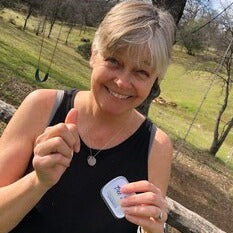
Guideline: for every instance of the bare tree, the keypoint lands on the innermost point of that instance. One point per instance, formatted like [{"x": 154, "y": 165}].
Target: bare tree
[
  {"x": 70, "y": 15},
  {"x": 9, "y": 3},
  {"x": 54, "y": 6},
  {"x": 194, "y": 9},
  {"x": 225, "y": 39},
  {"x": 32, "y": 8}
]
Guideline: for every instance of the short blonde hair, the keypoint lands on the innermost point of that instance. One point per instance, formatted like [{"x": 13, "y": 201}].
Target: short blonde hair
[{"x": 142, "y": 29}]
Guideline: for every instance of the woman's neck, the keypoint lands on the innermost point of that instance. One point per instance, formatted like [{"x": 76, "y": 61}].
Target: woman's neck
[
  {"x": 103, "y": 118},
  {"x": 97, "y": 127}
]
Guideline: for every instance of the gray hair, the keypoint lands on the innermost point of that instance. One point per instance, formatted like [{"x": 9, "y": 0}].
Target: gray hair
[{"x": 142, "y": 29}]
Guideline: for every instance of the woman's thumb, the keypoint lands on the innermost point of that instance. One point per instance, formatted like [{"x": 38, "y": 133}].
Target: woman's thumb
[{"x": 72, "y": 117}]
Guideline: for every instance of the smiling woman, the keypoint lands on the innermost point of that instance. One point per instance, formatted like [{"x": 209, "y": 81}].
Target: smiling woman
[
  {"x": 61, "y": 147},
  {"x": 125, "y": 83}
]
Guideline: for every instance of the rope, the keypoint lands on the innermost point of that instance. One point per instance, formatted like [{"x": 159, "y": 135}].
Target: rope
[
  {"x": 55, "y": 47},
  {"x": 37, "y": 74},
  {"x": 42, "y": 43},
  {"x": 204, "y": 97}
]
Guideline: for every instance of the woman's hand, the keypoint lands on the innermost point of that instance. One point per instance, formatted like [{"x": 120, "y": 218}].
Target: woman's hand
[
  {"x": 54, "y": 148},
  {"x": 148, "y": 208}
]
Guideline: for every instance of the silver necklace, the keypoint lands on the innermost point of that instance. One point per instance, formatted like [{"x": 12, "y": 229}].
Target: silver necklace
[{"x": 91, "y": 159}]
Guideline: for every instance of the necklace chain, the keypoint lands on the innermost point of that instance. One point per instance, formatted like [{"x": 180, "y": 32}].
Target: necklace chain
[{"x": 91, "y": 159}]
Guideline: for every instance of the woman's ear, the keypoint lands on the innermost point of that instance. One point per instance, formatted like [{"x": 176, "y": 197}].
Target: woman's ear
[{"x": 92, "y": 58}]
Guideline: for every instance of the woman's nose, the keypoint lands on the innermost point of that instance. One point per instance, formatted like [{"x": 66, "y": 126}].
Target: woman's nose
[{"x": 123, "y": 79}]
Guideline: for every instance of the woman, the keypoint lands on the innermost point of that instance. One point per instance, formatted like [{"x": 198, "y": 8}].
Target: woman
[{"x": 51, "y": 177}]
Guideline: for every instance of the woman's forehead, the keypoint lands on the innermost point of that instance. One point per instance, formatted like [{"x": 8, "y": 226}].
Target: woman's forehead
[{"x": 134, "y": 57}]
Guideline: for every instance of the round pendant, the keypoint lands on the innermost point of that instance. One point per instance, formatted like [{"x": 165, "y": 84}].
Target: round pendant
[{"x": 91, "y": 160}]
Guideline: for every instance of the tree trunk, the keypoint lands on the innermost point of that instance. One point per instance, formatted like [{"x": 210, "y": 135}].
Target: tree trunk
[
  {"x": 68, "y": 34},
  {"x": 28, "y": 15},
  {"x": 54, "y": 17},
  {"x": 176, "y": 8},
  {"x": 80, "y": 29},
  {"x": 144, "y": 107},
  {"x": 218, "y": 143},
  {"x": 51, "y": 26},
  {"x": 38, "y": 28},
  {"x": 43, "y": 29},
  {"x": 218, "y": 140}
]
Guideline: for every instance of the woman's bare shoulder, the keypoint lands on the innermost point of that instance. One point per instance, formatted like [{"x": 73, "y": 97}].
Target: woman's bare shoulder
[
  {"x": 18, "y": 138},
  {"x": 163, "y": 142},
  {"x": 35, "y": 109}
]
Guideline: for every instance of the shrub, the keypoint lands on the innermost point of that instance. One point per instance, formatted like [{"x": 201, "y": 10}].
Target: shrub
[
  {"x": 84, "y": 50},
  {"x": 193, "y": 42},
  {"x": 86, "y": 40}
]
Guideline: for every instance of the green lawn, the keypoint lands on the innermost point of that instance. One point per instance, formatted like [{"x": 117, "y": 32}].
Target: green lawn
[
  {"x": 20, "y": 53},
  {"x": 185, "y": 84}
]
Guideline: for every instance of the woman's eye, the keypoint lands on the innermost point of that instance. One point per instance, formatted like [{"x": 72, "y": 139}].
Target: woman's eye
[
  {"x": 143, "y": 73},
  {"x": 112, "y": 60}
]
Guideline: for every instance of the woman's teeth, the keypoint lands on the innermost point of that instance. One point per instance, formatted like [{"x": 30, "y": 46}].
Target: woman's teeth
[{"x": 119, "y": 96}]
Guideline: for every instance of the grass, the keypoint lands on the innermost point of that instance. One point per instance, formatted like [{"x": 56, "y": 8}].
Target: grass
[
  {"x": 186, "y": 81},
  {"x": 186, "y": 86},
  {"x": 20, "y": 53}
]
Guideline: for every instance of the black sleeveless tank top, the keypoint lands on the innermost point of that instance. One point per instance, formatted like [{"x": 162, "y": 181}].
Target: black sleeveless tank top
[{"x": 74, "y": 204}]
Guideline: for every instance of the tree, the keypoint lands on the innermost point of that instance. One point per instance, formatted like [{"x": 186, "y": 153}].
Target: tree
[
  {"x": 32, "y": 7},
  {"x": 9, "y": 4},
  {"x": 193, "y": 42},
  {"x": 219, "y": 138},
  {"x": 193, "y": 18},
  {"x": 176, "y": 8},
  {"x": 55, "y": 6},
  {"x": 225, "y": 40},
  {"x": 69, "y": 14}
]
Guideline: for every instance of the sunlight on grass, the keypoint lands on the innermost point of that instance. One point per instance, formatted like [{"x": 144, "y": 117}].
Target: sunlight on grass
[
  {"x": 186, "y": 88},
  {"x": 185, "y": 84}
]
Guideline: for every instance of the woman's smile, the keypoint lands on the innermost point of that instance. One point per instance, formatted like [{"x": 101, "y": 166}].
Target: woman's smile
[{"x": 118, "y": 95}]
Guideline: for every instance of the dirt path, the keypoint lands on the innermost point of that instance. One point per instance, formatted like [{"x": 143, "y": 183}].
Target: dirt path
[{"x": 205, "y": 186}]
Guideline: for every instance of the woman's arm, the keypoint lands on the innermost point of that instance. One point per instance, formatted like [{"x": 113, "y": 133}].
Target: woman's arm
[
  {"x": 17, "y": 140},
  {"x": 17, "y": 199},
  {"x": 18, "y": 195},
  {"x": 53, "y": 152},
  {"x": 148, "y": 208}
]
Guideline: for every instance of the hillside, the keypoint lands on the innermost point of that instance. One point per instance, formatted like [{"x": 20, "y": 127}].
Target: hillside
[{"x": 199, "y": 182}]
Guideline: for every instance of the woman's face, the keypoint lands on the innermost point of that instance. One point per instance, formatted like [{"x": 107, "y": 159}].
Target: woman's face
[{"x": 118, "y": 83}]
